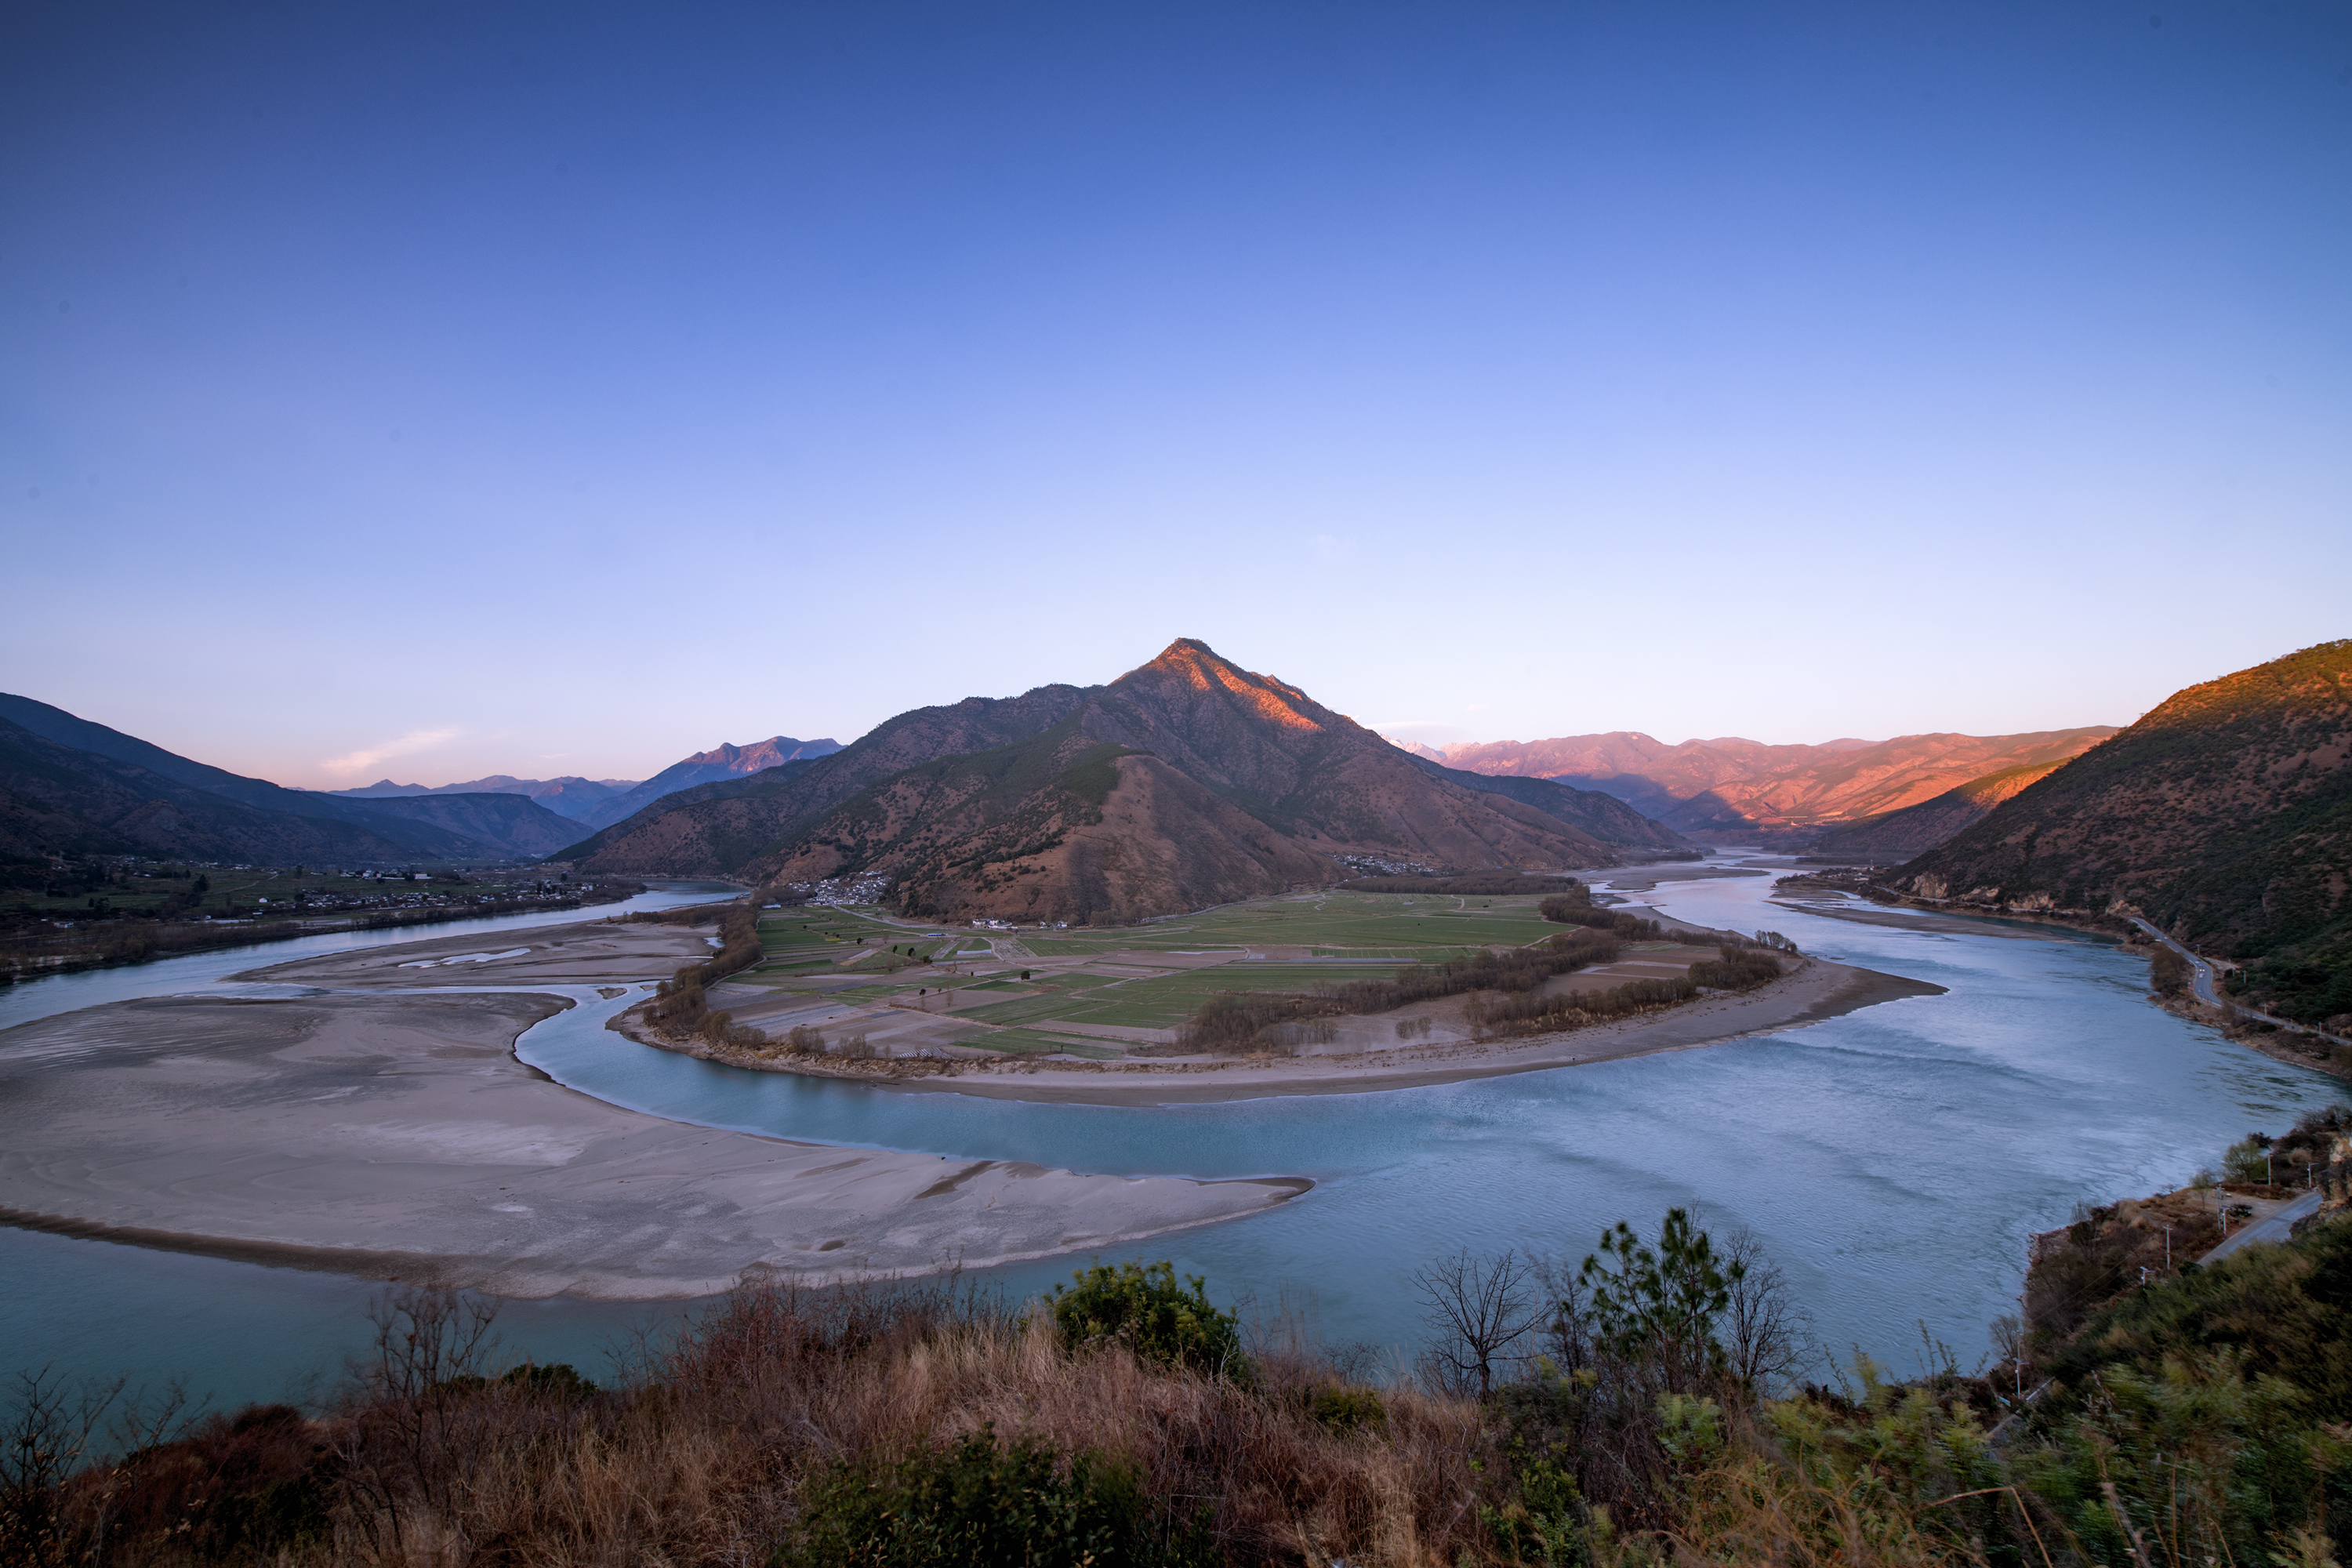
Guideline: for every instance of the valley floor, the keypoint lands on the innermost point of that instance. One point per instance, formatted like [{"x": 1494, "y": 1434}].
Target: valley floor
[{"x": 378, "y": 1121}]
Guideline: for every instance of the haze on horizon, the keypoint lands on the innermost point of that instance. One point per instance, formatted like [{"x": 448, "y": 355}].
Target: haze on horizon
[{"x": 451, "y": 393}]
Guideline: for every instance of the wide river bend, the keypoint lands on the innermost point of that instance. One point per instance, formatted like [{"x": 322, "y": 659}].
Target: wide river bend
[{"x": 1893, "y": 1161}]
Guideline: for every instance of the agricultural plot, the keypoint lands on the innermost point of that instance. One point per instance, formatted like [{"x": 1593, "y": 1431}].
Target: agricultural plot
[{"x": 1102, "y": 984}]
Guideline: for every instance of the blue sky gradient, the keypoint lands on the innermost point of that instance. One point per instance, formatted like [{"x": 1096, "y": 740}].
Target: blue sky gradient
[{"x": 440, "y": 391}]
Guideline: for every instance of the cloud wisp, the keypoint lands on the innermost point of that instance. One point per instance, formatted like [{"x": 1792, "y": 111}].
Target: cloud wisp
[{"x": 413, "y": 742}]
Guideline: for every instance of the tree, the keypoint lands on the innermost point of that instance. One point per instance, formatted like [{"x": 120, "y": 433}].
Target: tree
[
  {"x": 1659, "y": 1308},
  {"x": 1479, "y": 1308},
  {"x": 1765, "y": 1332}
]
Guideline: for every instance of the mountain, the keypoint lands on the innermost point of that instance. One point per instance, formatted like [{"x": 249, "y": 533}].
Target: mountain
[
  {"x": 74, "y": 797},
  {"x": 1185, "y": 781},
  {"x": 1736, "y": 788},
  {"x": 413, "y": 840},
  {"x": 1894, "y": 836},
  {"x": 719, "y": 763},
  {"x": 513, "y": 826},
  {"x": 2224, "y": 816},
  {"x": 57, "y": 799},
  {"x": 569, "y": 797},
  {"x": 1604, "y": 817}
]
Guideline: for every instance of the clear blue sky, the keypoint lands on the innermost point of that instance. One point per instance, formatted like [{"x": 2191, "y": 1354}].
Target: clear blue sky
[{"x": 434, "y": 391}]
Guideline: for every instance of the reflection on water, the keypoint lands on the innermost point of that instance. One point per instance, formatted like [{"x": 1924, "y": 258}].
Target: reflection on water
[{"x": 1893, "y": 1161}]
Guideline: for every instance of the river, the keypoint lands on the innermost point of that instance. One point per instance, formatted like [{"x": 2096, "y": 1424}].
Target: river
[{"x": 1893, "y": 1161}]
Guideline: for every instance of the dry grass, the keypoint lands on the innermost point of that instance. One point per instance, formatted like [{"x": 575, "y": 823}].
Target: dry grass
[{"x": 700, "y": 1461}]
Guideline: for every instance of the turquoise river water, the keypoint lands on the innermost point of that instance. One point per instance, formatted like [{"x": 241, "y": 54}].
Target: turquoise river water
[{"x": 1893, "y": 1161}]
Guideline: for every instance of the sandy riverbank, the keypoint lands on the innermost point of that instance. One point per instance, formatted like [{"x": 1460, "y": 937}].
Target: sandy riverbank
[
  {"x": 590, "y": 953},
  {"x": 389, "y": 1136},
  {"x": 1818, "y": 990}
]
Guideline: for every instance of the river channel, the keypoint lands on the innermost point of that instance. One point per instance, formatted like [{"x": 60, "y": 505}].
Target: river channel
[{"x": 1893, "y": 1161}]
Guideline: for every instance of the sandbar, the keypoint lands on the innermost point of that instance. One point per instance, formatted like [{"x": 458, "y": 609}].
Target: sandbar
[{"x": 399, "y": 1136}]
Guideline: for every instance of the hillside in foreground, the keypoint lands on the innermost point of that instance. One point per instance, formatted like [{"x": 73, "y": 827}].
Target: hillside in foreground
[{"x": 2224, "y": 816}]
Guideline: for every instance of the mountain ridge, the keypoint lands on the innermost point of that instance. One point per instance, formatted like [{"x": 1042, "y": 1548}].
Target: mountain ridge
[
  {"x": 1218, "y": 781},
  {"x": 1729, "y": 787},
  {"x": 2225, "y": 814}
]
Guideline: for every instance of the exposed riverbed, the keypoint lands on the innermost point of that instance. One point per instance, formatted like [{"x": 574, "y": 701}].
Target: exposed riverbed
[{"x": 1893, "y": 1160}]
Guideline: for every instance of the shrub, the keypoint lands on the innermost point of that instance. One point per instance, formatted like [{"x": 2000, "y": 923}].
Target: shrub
[
  {"x": 977, "y": 1504},
  {"x": 1736, "y": 969},
  {"x": 1144, "y": 1307},
  {"x": 1576, "y": 911}
]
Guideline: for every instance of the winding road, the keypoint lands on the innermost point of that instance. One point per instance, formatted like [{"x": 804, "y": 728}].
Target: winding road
[{"x": 2202, "y": 981}]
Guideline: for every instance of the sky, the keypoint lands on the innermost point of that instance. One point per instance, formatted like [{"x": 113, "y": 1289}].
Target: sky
[{"x": 436, "y": 391}]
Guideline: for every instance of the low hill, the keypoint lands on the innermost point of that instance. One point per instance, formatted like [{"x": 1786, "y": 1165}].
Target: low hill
[
  {"x": 1737, "y": 788},
  {"x": 1896, "y": 836},
  {"x": 1186, "y": 781},
  {"x": 2224, "y": 816}
]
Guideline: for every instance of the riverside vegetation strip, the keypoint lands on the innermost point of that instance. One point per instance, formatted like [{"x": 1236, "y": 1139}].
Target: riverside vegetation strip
[{"x": 1304, "y": 994}]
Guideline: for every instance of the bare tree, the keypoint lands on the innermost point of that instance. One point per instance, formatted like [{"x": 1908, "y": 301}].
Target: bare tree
[
  {"x": 405, "y": 1445},
  {"x": 1570, "y": 1334},
  {"x": 1766, "y": 1334},
  {"x": 1479, "y": 1308},
  {"x": 52, "y": 1433}
]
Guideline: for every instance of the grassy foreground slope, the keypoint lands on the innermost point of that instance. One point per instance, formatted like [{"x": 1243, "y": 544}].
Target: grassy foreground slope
[
  {"x": 2225, "y": 814},
  {"x": 1640, "y": 1408}
]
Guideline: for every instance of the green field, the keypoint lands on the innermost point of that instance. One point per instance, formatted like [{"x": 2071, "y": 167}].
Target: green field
[
  {"x": 1391, "y": 926},
  {"x": 1080, "y": 977}
]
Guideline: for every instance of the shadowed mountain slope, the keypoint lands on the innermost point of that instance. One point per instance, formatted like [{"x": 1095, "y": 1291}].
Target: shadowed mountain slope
[
  {"x": 2224, "y": 816},
  {"x": 1187, "y": 781},
  {"x": 1896, "y": 836},
  {"x": 512, "y": 825},
  {"x": 59, "y": 799},
  {"x": 715, "y": 829},
  {"x": 1732, "y": 786}
]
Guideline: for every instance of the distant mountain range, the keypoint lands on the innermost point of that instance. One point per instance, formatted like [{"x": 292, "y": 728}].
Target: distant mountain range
[
  {"x": 599, "y": 803},
  {"x": 1184, "y": 783},
  {"x": 2224, "y": 816},
  {"x": 71, "y": 786},
  {"x": 68, "y": 785},
  {"x": 1743, "y": 790},
  {"x": 567, "y": 796}
]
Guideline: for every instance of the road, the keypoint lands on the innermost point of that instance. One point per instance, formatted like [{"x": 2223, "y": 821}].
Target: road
[
  {"x": 2203, "y": 982},
  {"x": 2273, "y": 1226}
]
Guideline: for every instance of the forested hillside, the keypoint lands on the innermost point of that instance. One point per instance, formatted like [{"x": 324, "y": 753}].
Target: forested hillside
[{"x": 2224, "y": 816}]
